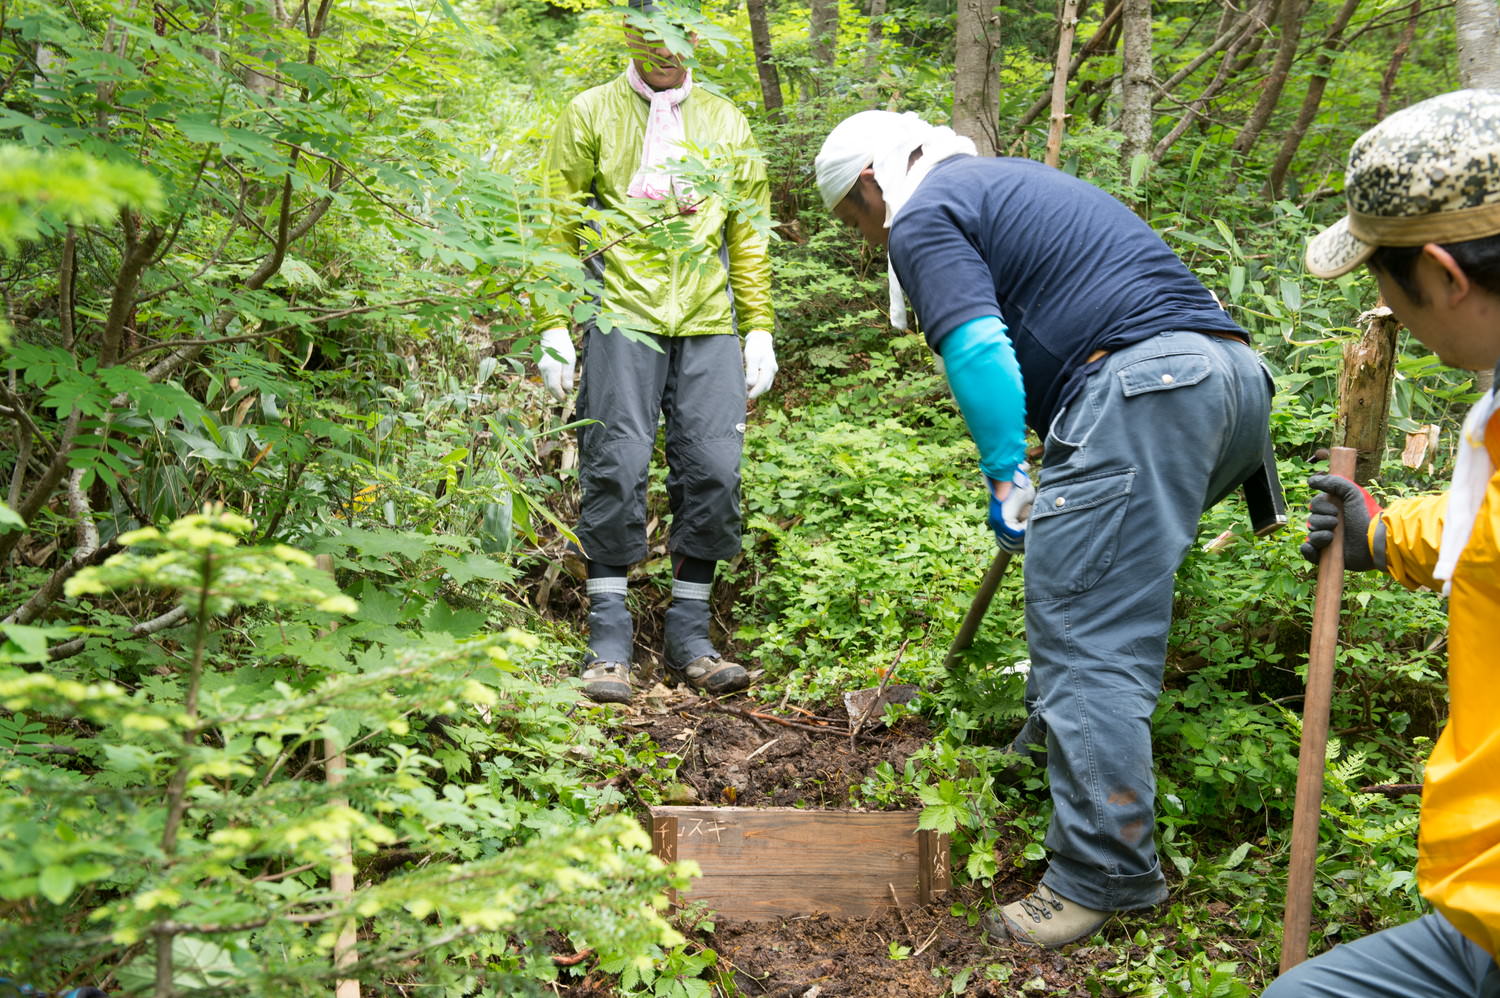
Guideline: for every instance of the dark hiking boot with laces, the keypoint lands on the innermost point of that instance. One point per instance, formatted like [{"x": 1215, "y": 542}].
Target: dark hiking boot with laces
[{"x": 1043, "y": 918}]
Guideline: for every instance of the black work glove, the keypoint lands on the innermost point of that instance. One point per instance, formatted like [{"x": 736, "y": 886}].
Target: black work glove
[{"x": 1336, "y": 494}]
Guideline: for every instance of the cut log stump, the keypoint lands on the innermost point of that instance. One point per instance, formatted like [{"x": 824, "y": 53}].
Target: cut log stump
[{"x": 781, "y": 862}]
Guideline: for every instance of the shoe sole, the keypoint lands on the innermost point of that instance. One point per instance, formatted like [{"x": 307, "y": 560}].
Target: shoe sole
[{"x": 607, "y": 692}]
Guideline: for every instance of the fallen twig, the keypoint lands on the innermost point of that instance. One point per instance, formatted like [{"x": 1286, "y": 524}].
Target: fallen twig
[
  {"x": 755, "y": 717},
  {"x": 884, "y": 680},
  {"x": 758, "y": 751},
  {"x": 793, "y": 990},
  {"x": 901, "y": 914},
  {"x": 1392, "y": 789},
  {"x": 573, "y": 960}
]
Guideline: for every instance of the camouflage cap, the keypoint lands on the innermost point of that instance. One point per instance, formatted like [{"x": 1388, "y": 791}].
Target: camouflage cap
[{"x": 1426, "y": 174}]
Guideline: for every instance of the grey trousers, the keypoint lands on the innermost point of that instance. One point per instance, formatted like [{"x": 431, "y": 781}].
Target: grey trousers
[
  {"x": 1425, "y": 958},
  {"x": 697, "y": 384},
  {"x": 1164, "y": 430}
]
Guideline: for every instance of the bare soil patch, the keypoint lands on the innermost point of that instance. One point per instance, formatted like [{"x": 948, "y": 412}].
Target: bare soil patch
[
  {"x": 739, "y": 751},
  {"x": 745, "y": 752}
]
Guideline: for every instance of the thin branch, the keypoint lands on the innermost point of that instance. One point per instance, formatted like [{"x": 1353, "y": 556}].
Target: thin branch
[
  {"x": 362, "y": 185},
  {"x": 138, "y": 253},
  {"x": 753, "y": 715},
  {"x": 17, "y": 411},
  {"x": 341, "y": 313},
  {"x": 175, "y": 344},
  {"x": 1218, "y": 45},
  {"x": 88, "y": 545},
  {"x": 171, "y": 239},
  {"x": 884, "y": 680},
  {"x": 65, "y": 273},
  {"x": 1195, "y": 109},
  {"x": 170, "y": 619},
  {"x": 50, "y": 478},
  {"x": 234, "y": 225}
]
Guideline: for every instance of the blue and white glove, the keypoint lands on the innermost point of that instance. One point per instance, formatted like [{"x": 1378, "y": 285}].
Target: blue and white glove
[{"x": 1008, "y": 516}]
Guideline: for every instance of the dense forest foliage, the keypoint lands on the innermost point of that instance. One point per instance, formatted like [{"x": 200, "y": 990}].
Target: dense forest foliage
[{"x": 268, "y": 271}]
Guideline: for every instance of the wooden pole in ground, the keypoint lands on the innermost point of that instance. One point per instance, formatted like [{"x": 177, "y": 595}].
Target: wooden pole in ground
[
  {"x": 1312, "y": 758},
  {"x": 341, "y": 879}
]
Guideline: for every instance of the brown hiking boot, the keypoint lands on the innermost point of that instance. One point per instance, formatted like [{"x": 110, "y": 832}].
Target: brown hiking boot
[
  {"x": 1043, "y": 918},
  {"x": 713, "y": 675},
  {"x": 607, "y": 682}
]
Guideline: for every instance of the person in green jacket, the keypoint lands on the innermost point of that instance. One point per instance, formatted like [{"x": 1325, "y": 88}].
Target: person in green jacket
[{"x": 615, "y": 146}]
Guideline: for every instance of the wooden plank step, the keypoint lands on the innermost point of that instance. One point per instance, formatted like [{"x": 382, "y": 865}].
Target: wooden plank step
[{"x": 778, "y": 862}]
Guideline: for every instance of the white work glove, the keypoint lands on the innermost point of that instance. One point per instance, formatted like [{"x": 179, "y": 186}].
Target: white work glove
[
  {"x": 760, "y": 362},
  {"x": 1008, "y": 516},
  {"x": 556, "y": 362}
]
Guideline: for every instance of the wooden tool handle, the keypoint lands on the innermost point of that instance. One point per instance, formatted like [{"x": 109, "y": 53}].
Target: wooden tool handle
[
  {"x": 982, "y": 598},
  {"x": 1312, "y": 758}
]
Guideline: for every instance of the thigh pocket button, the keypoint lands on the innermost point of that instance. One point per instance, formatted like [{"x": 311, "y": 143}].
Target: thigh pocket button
[{"x": 1077, "y": 522}]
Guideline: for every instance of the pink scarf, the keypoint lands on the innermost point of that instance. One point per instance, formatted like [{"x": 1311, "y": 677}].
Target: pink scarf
[{"x": 664, "y": 137}]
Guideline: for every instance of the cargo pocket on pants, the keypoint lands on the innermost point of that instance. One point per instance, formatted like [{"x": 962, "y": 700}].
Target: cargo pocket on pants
[{"x": 1078, "y": 523}]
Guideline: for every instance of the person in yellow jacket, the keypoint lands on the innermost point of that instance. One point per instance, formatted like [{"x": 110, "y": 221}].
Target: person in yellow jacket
[
  {"x": 1423, "y": 189},
  {"x": 616, "y": 145}
]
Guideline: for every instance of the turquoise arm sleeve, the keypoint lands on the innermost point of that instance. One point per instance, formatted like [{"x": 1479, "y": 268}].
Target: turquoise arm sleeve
[{"x": 986, "y": 382}]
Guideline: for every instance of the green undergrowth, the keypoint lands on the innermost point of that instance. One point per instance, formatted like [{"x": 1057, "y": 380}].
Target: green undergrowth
[{"x": 178, "y": 802}]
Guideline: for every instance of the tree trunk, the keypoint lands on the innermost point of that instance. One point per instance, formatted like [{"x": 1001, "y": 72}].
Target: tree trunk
[
  {"x": 872, "y": 40},
  {"x": 760, "y": 41},
  {"x": 1286, "y": 51},
  {"x": 1065, "y": 33},
  {"x": 975, "y": 84},
  {"x": 824, "y": 36},
  {"x": 1388, "y": 81},
  {"x": 1332, "y": 44},
  {"x": 1478, "y": 42},
  {"x": 1365, "y": 391},
  {"x": 1136, "y": 89}
]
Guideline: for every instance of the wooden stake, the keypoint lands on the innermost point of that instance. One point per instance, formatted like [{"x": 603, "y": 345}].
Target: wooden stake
[
  {"x": 341, "y": 880},
  {"x": 1312, "y": 758}
]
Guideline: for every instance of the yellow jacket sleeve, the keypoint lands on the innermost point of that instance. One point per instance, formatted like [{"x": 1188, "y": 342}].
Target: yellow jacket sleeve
[
  {"x": 1413, "y": 533},
  {"x": 572, "y": 161},
  {"x": 749, "y": 250}
]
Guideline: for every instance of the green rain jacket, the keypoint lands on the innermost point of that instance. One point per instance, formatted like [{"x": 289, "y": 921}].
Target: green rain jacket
[{"x": 595, "y": 152}]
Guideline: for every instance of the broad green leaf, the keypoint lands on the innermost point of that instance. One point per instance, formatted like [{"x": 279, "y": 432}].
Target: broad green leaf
[{"x": 56, "y": 883}]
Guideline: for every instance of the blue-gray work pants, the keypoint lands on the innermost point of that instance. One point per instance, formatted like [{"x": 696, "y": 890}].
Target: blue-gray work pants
[
  {"x": 697, "y": 383},
  {"x": 1166, "y": 428},
  {"x": 1425, "y": 958}
]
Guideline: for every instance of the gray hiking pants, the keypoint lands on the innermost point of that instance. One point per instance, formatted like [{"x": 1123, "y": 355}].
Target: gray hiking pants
[
  {"x": 698, "y": 384},
  {"x": 1425, "y": 958},
  {"x": 1164, "y": 430}
]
